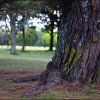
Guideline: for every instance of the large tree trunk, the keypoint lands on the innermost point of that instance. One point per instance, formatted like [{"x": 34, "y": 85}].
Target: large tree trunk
[
  {"x": 13, "y": 33},
  {"x": 77, "y": 55},
  {"x": 78, "y": 49}
]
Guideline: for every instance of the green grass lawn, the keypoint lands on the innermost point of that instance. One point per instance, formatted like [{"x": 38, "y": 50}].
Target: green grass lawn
[
  {"x": 33, "y": 59},
  {"x": 38, "y": 58}
]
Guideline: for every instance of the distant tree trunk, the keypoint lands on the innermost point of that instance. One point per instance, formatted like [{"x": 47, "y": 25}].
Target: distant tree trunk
[
  {"x": 13, "y": 33},
  {"x": 23, "y": 44},
  {"x": 23, "y": 31},
  {"x": 51, "y": 36}
]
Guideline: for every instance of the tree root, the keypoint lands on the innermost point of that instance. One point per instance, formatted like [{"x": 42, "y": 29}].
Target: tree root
[
  {"x": 38, "y": 90},
  {"x": 35, "y": 91},
  {"x": 50, "y": 75},
  {"x": 49, "y": 78},
  {"x": 27, "y": 79}
]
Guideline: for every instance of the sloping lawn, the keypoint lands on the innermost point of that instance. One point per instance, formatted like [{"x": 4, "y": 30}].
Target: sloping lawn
[
  {"x": 25, "y": 59},
  {"x": 31, "y": 63}
]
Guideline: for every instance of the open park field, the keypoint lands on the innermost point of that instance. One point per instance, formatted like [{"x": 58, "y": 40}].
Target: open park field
[{"x": 31, "y": 63}]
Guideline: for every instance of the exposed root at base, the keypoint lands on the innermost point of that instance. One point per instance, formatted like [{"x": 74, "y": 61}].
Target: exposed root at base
[{"x": 38, "y": 90}]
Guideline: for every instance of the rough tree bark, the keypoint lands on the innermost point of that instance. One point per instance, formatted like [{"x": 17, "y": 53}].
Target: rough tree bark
[
  {"x": 78, "y": 48},
  {"x": 77, "y": 56},
  {"x": 13, "y": 33}
]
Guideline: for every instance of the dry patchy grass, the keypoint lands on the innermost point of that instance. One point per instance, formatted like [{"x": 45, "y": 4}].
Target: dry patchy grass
[{"x": 16, "y": 91}]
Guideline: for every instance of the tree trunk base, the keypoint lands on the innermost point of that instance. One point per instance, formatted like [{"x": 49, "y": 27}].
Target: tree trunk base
[
  {"x": 35, "y": 91},
  {"x": 50, "y": 76},
  {"x": 53, "y": 76}
]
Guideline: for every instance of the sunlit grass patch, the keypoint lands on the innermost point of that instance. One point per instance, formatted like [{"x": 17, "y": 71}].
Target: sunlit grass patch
[{"x": 25, "y": 59}]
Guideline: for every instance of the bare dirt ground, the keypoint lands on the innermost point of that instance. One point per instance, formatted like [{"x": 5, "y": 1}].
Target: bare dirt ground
[{"x": 15, "y": 91}]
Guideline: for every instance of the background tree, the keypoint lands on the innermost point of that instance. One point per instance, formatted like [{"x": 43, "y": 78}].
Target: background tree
[
  {"x": 50, "y": 17},
  {"x": 26, "y": 13},
  {"x": 13, "y": 9},
  {"x": 45, "y": 39},
  {"x": 9, "y": 10},
  {"x": 30, "y": 37},
  {"x": 2, "y": 37}
]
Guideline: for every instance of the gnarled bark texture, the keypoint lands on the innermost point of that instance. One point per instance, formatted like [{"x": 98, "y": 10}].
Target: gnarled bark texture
[{"x": 77, "y": 56}]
